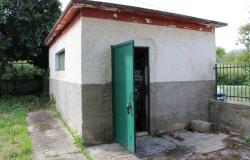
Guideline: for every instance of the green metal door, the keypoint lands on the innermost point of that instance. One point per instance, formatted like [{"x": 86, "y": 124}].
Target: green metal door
[{"x": 123, "y": 97}]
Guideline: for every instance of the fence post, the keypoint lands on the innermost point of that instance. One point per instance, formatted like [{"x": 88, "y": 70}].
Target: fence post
[
  {"x": 215, "y": 82},
  {"x": 1, "y": 72}
]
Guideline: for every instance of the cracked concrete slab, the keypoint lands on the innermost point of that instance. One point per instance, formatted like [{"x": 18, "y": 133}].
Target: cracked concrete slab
[
  {"x": 148, "y": 148},
  {"x": 201, "y": 142},
  {"x": 50, "y": 139},
  {"x": 148, "y": 145}
]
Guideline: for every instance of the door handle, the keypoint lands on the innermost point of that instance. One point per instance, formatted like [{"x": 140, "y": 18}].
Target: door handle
[
  {"x": 129, "y": 108},
  {"x": 131, "y": 100}
]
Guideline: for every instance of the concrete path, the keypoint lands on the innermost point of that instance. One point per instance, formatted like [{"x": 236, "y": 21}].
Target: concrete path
[{"x": 50, "y": 139}]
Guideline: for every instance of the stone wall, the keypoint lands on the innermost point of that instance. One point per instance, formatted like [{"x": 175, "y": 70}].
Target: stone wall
[
  {"x": 233, "y": 115},
  {"x": 21, "y": 86}
]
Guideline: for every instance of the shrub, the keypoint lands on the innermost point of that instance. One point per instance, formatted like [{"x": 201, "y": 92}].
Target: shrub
[{"x": 12, "y": 70}]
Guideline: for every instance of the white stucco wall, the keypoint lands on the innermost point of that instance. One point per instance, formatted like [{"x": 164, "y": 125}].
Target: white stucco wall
[
  {"x": 65, "y": 86},
  {"x": 175, "y": 54},
  {"x": 71, "y": 42}
]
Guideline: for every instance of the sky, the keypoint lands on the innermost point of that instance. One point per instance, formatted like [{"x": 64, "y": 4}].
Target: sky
[{"x": 233, "y": 12}]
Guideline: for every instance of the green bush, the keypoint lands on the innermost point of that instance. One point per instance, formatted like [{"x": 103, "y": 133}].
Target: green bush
[
  {"x": 233, "y": 76},
  {"x": 12, "y": 70}
]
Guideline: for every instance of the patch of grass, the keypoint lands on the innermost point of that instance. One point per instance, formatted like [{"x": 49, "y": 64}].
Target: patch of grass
[
  {"x": 233, "y": 146},
  {"x": 237, "y": 91},
  {"x": 78, "y": 141},
  {"x": 15, "y": 143},
  {"x": 246, "y": 139}
]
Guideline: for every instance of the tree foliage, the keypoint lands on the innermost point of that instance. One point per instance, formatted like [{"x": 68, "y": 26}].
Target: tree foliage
[
  {"x": 220, "y": 52},
  {"x": 244, "y": 57},
  {"x": 245, "y": 35},
  {"x": 24, "y": 24}
]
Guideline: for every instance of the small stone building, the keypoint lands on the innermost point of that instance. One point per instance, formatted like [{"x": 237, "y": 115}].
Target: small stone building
[{"x": 119, "y": 71}]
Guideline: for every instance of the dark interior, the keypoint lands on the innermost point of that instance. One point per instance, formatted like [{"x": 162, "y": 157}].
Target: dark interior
[{"x": 141, "y": 88}]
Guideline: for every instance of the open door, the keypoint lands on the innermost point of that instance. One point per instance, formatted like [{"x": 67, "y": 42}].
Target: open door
[{"x": 123, "y": 94}]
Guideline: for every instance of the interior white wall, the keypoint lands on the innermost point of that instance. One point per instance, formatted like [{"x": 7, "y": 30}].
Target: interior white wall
[
  {"x": 71, "y": 42},
  {"x": 175, "y": 54}
]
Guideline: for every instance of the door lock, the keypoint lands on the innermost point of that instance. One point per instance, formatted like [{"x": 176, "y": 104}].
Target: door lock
[
  {"x": 129, "y": 108},
  {"x": 131, "y": 100}
]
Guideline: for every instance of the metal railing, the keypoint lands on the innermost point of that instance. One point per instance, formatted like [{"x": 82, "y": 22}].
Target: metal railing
[
  {"x": 232, "y": 82},
  {"x": 16, "y": 70}
]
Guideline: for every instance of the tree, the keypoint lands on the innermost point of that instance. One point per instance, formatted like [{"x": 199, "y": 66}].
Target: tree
[
  {"x": 244, "y": 57},
  {"x": 24, "y": 25},
  {"x": 245, "y": 36},
  {"x": 220, "y": 52}
]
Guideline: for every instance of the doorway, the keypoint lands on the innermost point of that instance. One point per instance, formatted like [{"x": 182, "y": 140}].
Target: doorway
[
  {"x": 130, "y": 93},
  {"x": 141, "y": 78}
]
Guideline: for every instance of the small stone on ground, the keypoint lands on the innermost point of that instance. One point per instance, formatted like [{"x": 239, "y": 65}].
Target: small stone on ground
[
  {"x": 200, "y": 126},
  {"x": 50, "y": 139}
]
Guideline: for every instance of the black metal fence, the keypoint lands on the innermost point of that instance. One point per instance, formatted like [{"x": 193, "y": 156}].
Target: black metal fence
[
  {"x": 14, "y": 70},
  {"x": 232, "y": 82}
]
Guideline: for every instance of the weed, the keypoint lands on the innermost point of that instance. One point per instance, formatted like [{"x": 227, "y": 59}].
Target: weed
[
  {"x": 246, "y": 139},
  {"x": 78, "y": 141}
]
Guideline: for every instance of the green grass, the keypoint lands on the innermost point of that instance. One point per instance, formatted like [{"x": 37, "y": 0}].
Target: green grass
[
  {"x": 15, "y": 143},
  {"x": 246, "y": 139},
  {"x": 239, "y": 91},
  {"x": 78, "y": 141}
]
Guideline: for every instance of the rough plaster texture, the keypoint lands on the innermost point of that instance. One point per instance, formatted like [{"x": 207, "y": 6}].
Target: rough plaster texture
[
  {"x": 171, "y": 103},
  {"x": 233, "y": 115},
  {"x": 178, "y": 102},
  {"x": 97, "y": 113},
  {"x": 175, "y": 54},
  {"x": 68, "y": 97}
]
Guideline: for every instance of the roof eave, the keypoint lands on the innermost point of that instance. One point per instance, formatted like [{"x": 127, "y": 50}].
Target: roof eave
[
  {"x": 69, "y": 5},
  {"x": 80, "y": 3}
]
